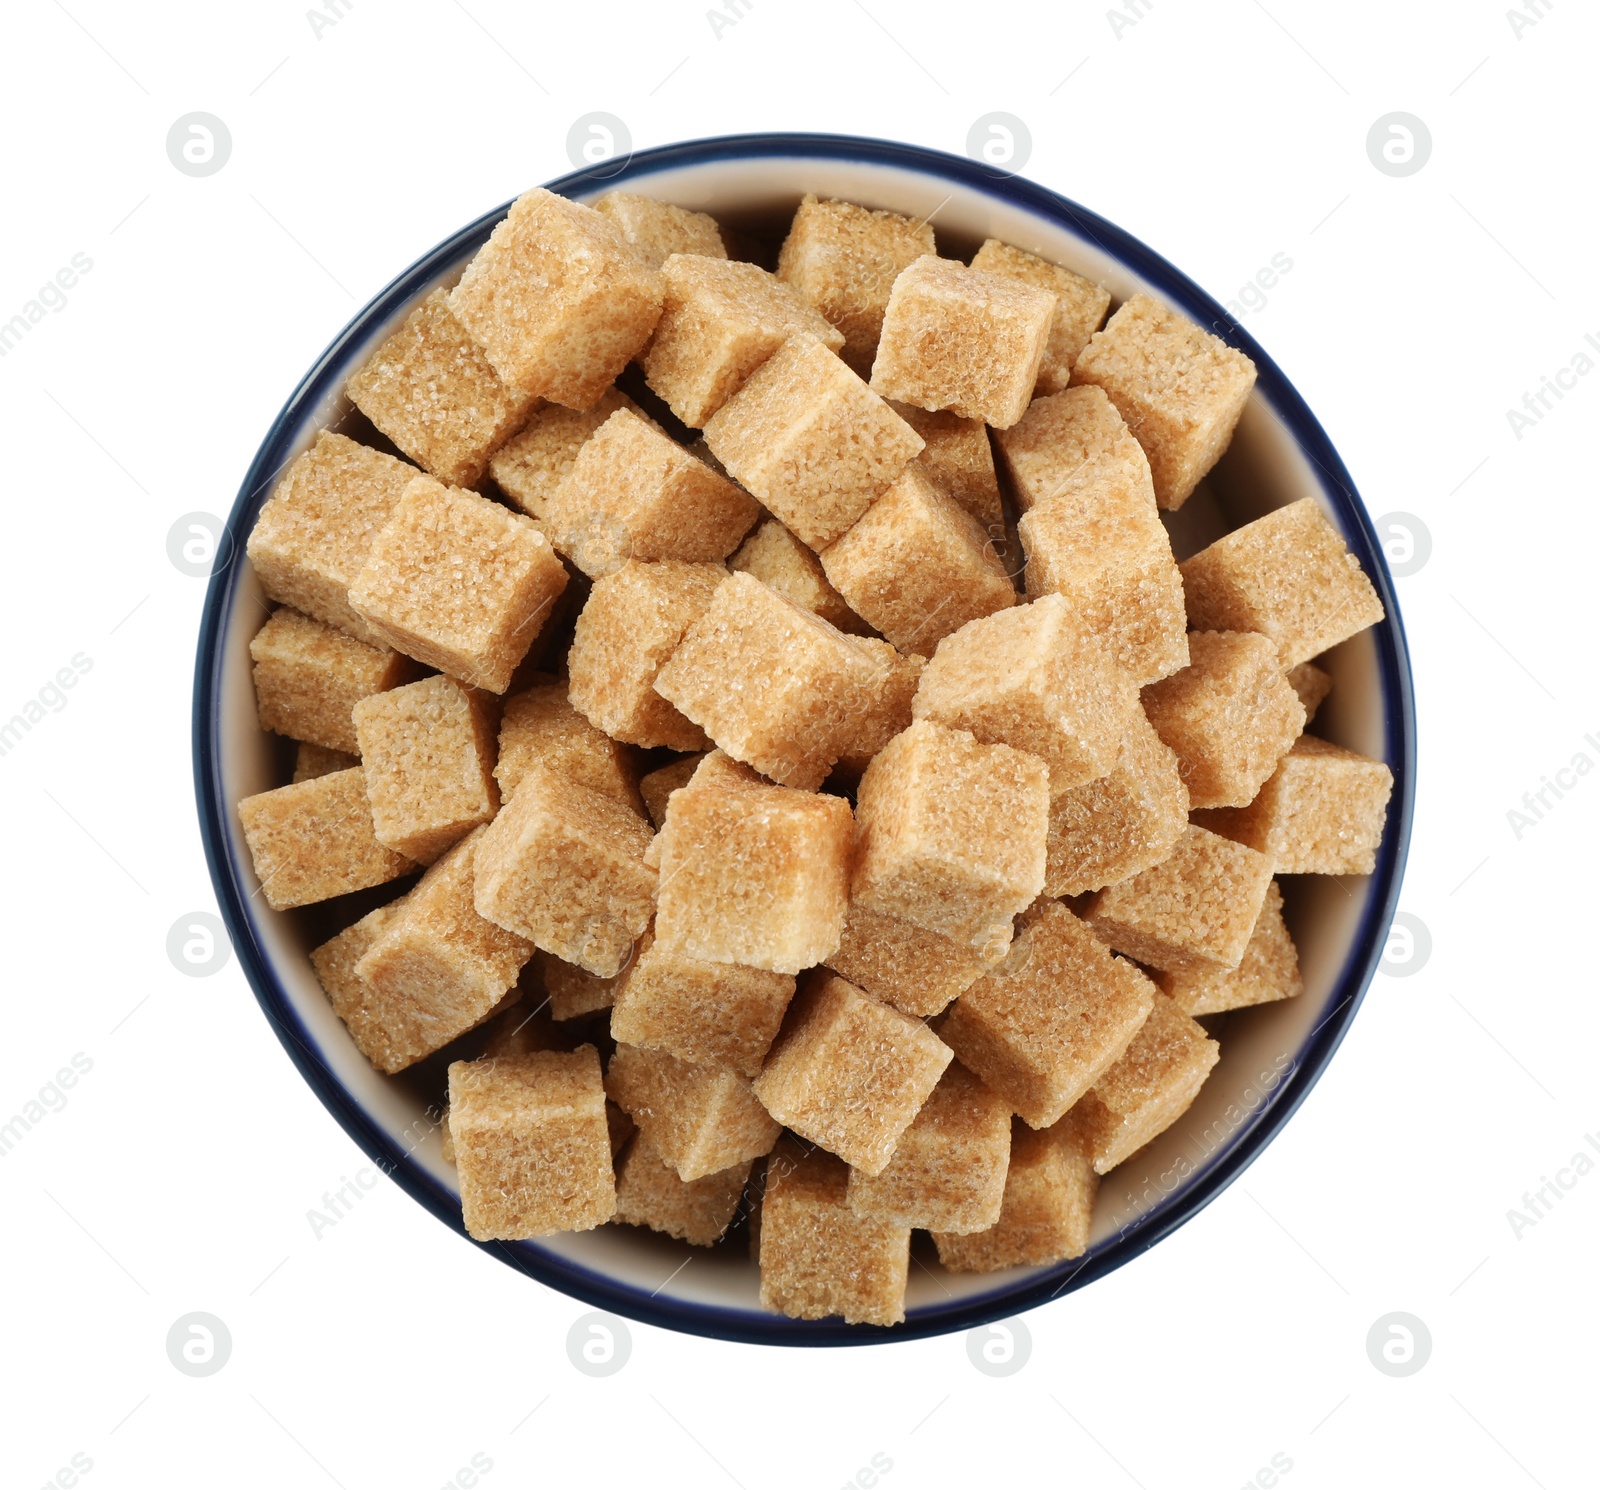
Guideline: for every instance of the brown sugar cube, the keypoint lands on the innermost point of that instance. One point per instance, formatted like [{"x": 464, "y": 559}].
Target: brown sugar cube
[
  {"x": 557, "y": 300},
  {"x": 1080, "y": 306},
  {"x": 620, "y": 1126},
  {"x": 531, "y": 1147},
  {"x": 1070, "y": 443},
  {"x": 1049, "y": 1198},
  {"x": 432, "y": 391},
  {"x": 428, "y": 751},
  {"x": 917, "y": 971},
  {"x": 631, "y": 624},
  {"x": 563, "y": 866},
  {"x": 1128, "y": 820},
  {"x": 817, "y": 1256},
  {"x": 1311, "y": 686},
  {"x": 964, "y": 340},
  {"x": 313, "y": 533},
  {"x": 572, "y": 992},
  {"x": 335, "y": 965},
  {"x": 1180, "y": 389},
  {"x": 1043, "y": 1026},
  {"x": 433, "y": 971},
  {"x": 313, "y": 840},
  {"x": 657, "y": 786},
  {"x": 773, "y": 684},
  {"x": 540, "y": 727},
  {"x": 700, "y": 1119},
  {"x": 1269, "y": 971},
  {"x": 459, "y": 583},
  {"x": 536, "y": 460},
  {"x": 1195, "y": 909},
  {"x": 721, "y": 320},
  {"x": 849, "y": 1072},
  {"x": 844, "y": 259},
  {"x": 635, "y": 493},
  {"x": 309, "y": 676},
  {"x": 312, "y": 761},
  {"x": 949, "y": 1166},
  {"x": 1287, "y": 575},
  {"x": 1033, "y": 678},
  {"x": 521, "y": 1030},
  {"x": 706, "y": 1013},
  {"x": 889, "y": 712},
  {"x": 950, "y": 833},
  {"x": 811, "y": 440},
  {"x": 1230, "y": 716},
  {"x": 649, "y": 1193},
  {"x": 917, "y": 566},
  {"x": 1150, "y": 1088},
  {"x": 657, "y": 230},
  {"x": 957, "y": 458},
  {"x": 753, "y": 874},
  {"x": 773, "y": 555},
  {"x": 1321, "y": 812}
]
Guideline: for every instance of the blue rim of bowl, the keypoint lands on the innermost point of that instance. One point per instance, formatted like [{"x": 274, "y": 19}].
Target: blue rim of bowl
[{"x": 327, "y": 376}]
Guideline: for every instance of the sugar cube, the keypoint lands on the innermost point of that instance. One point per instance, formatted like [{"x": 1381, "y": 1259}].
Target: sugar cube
[
  {"x": 1180, "y": 389},
  {"x": 773, "y": 555},
  {"x": 700, "y": 1119},
  {"x": 1046, "y": 1209},
  {"x": 721, "y": 320},
  {"x": 1195, "y": 909},
  {"x": 917, "y": 566},
  {"x": 773, "y": 684},
  {"x": 817, "y": 1256},
  {"x": 631, "y": 624},
  {"x": 1287, "y": 575},
  {"x": 1321, "y": 812},
  {"x": 433, "y": 969},
  {"x": 895, "y": 960},
  {"x": 657, "y": 786},
  {"x": 313, "y": 840},
  {"x": 649, "y": 1193},
  {"x": 1229, "y": 715},
  {"x": 1034, "y": 678},
  {"x": 635, "y": 493},
  {"x": 1071, "y": 443},
  {"x": 957, "y": 458},
  {"x": 1044, "y": 1025},
  {"x": 706, "y": 1013},
  {"x": 432, "y": 391},
  {"x": 309, "y": 676},
  {"x": 1080, "y": 306},
  {"x": 531, "y": 1147},
  {"x": 521, "y": 1030},
  {"x": 844, "y": 260},
  {"x": 811, "y": 440},
  {"x": 1270, "y": 969},
  {"x": 887, "y": 713},
  {"x": 1125, "y": 821},
  {"x": 428, "y": 752},
  {"x": 1311, "y": 686},
  {"x": 948, "y": 1169},
  {"x": 311, "y": 761},
  {"x": 963, "y": 339},
  {"x": 753, "y": 874},
  {"x": 536, "y": 460},
  {"x": 563, "y": 866},
  {"x": 572, "y": 992},
  {"x": 950, "y": 833},
  {"x": 540, "y": 726},
  {"x": 657, "y": 230},
  {"x": 850, "y": 1072},
  {"x": 459, "y": 583},
  {"x": 313, "y": 533},
  {"x": 557, "y": 300},
  {"x": 1149, "y": 1088}
]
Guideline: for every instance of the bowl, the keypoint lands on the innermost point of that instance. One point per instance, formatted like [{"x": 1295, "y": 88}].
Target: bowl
[{"x": 1271, "y": 1055}]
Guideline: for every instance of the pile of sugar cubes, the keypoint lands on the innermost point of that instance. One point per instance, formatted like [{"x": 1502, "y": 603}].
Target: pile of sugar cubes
[{"x": 777, "y": 852}]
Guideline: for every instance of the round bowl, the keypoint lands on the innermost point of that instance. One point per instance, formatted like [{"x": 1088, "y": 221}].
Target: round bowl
[{"x": 1271, "y": 1055}]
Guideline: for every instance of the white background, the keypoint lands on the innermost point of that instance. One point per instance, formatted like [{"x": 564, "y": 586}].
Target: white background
[{"x": 387, "y": 1352}]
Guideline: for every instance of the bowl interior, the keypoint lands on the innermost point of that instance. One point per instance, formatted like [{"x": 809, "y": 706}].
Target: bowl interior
[{"x": 1270, "y": 1054}]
